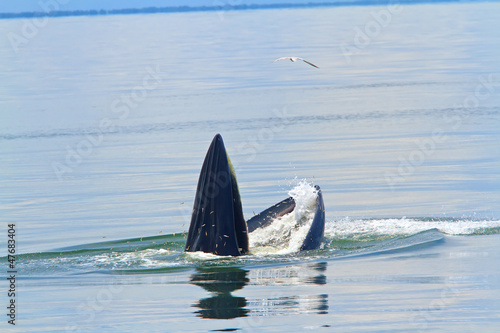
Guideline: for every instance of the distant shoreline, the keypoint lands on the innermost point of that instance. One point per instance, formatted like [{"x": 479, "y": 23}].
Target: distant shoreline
[{"x": 184, "y": 9}]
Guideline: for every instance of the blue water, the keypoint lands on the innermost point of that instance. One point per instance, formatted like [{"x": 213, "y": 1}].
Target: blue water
[{"x": 106, "y": 121}]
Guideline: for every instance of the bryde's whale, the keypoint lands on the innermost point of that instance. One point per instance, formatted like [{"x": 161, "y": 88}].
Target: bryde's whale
[{"x": 217, "y": 222}]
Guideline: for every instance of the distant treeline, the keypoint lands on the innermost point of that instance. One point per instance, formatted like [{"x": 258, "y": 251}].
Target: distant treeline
[
  {"x": 150, "y": 10},
  {"x": 180, "y": 9}
]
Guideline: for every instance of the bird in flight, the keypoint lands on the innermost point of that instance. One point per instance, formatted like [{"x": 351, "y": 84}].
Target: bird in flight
[{"x": 294, "y": 59}]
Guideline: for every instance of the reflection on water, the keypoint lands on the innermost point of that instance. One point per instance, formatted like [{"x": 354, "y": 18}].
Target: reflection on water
[
  {"x": 221, "y": 282},
  {"x": 290, "y": 305},
  {"x": 290, "y": 275}
]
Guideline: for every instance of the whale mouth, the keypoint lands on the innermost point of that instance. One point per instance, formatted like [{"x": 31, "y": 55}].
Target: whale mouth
[
  {"x": 217, "y": 223},
  {"x": 286, "y": 233}
]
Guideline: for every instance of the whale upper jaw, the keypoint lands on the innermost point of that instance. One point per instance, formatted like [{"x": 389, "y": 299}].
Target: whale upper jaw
[{"x": 217, "y": 223}]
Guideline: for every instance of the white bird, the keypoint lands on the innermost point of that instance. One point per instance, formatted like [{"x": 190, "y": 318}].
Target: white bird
[{"x": 294, "y": 59}]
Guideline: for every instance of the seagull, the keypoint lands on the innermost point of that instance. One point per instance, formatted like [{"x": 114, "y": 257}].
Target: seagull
[{"x": 294, "y": 59}]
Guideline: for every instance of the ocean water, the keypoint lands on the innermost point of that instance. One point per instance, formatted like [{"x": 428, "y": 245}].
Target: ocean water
[{"x": 105, "y": 121}]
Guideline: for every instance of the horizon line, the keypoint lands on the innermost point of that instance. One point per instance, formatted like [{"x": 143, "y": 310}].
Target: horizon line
[{"x": 183, "y": 9}]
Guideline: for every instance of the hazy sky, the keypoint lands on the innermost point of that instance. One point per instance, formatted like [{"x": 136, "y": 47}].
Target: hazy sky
[{"x": 7, "y": 6}]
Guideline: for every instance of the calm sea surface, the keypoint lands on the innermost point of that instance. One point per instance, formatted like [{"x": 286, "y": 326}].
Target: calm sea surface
[{"x": 105, "y": 122}]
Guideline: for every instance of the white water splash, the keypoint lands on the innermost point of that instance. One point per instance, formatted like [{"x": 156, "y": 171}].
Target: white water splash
[
  {"x": 287, "y": 233},
  {"x": 149, "y": 258},
  {"x": 204, "y": 256},
  {"x": 304, "y": 195}
]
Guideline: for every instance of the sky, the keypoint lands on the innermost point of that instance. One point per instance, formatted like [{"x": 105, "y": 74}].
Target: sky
[{"x": 7, "y": 6}]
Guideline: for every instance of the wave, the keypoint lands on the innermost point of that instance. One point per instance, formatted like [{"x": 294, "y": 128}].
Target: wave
[
  {"x": 366, "y": 229},
  {"x": 217, "y": 6}
]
